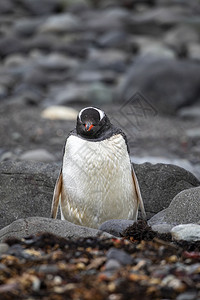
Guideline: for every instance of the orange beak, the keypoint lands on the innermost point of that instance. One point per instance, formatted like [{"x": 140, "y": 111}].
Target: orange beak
[{"x": 88, "y": 126}]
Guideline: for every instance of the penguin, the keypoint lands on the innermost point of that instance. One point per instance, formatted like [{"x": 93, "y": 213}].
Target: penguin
[{"x": 97, "y": 181}]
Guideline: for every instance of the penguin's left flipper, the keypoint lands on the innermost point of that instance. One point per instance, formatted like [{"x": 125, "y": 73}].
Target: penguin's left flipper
[
  {"x": 138, "y": 193},
  {"x": 56, "y": 196}
]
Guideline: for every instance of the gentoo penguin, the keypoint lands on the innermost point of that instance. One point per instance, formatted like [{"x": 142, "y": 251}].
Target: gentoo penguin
[{"x": 97, "y": 181}]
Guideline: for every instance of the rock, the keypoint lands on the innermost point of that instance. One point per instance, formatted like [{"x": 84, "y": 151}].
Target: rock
[
  {"x": 183, "y": 163},
  {"x": 26, "y": 190},
  {"x": 45, "y": 7},
  {"x": 190, "y": 295},
  {"x": 115, "y": 227},
  {"x": 114, "y": 39},
  {"x": 181, "y": 37},
  {"x": 183, "y": 209},
  {"x": 190, "y": 112},
  {"x": 112, "y": 265},
  {"x": 96, "y": 76},
  {"x": 106, "y": 59},
  {"x": 3, "y": 248},
  {"x": 188, "y": 232},
  {"x": 6, "y": 6},
  {"x": 194, "y": 51},
  {"x": 59, "y": 113},
  {"x": 106, "y": 20},
  {"x": 160, "y": 183},
  {"x": 37, "y": 155},
  {"x": 162, "y": 228},
  {"x": 158, "y": 50},
  {"x": 168, "y": 85},
  {"x": 33, "y": 225},
  {"x": 193, "y": 133},
  {"x": 56, "y": 61},
  {"x": 27, "y": 27},
  {"x": 60, "y": 24},
  {"x": 120, "y": 255}
]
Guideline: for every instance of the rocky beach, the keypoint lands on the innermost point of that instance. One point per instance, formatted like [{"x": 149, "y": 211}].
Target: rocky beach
[{"x": 139, "y": 61}]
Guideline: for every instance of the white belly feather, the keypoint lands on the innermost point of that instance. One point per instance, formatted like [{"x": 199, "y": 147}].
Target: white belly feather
[{"x": 97, "y": 181}]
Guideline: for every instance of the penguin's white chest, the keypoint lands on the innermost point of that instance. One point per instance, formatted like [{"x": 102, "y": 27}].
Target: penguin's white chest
[{"x": 97, "y": 181}]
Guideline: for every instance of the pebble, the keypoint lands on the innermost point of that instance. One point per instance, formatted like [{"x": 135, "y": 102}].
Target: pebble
[
  {"x": 186, "y": 232},
  {"x": 37, "y": 155},
  {"x": 112, "y": 265},
  {"x": 61, "y": 23},
  {"x": 121, "y": 256},
  {"x": 3, "y": 248},
  {"x": 59, "y": 113},
  {"x": 115, "y": 227}
]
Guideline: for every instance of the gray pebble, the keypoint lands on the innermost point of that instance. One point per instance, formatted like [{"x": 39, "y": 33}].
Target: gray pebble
[
  {"x": 112, "y": 264},
  {"x": 121, "y": 256},
  {"x": 3, "y": 248}
]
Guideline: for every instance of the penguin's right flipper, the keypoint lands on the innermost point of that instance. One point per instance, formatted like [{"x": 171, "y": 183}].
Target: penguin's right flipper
[{"x": 56, "y": 196}]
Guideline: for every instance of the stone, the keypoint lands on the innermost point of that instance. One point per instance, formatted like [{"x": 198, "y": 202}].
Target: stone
[
  {"x": 181, "y": 36},
  {"x": 115, "y": 227},
  {"x": 27, "y": 27},
  {"x": 33, "y": 225},
  {"x": 3, "y": 248},
  {"x": 193, "y": 133},
  {"x": 59, "y": 113},
  {"x": 190, "y": 112},
  {"x": 167, "y": 84},
  {"x": 56, "y": 61},
  {"x": 160, "y": 183},
  {"x": 187, "y": 232},
  {"x": 162, "y": 228},
  {"x": 120, "y": 255},
  {"x": 184, "y": 209},
  {"x": 37, "y": 155},
  {"x": 194, "y": 51},
  {"x": 112, "y": 265},
  {"x": 26, "y": 190},
  {"x": 113, "y": 39},
  {"x": 45, "y": 7},
  {"x": 61, "y": 23}
]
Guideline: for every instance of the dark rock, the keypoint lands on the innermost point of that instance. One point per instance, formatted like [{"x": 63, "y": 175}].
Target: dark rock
[
  {"x": 6, "y": 6},
  {"x": 115, "y": 227},
  {"x": 31, "y": 226},
  {"x": 113, "y": 39},
  {"x": 121, "y": 256},
  {"x": 27, "y": 27},
  {"x": 168, "y": 85},
  {"x": 26, "y": 190},
  {"x": 44, "y": 7},
  {"x": 157, "y": 20},
  {"x": 160, "y": 183}
]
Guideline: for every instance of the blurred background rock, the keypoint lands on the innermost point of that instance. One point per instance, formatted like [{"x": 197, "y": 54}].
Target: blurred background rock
[{"x": 138, "y": 60}]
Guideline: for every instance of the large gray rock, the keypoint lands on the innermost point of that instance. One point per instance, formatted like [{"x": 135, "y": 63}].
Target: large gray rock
[
  {"x": 30, "y": 226},
  {"x": 26, "y": 190},
  {"x": 160, "y": 183},
  {"x": 166, "y": 84},
  {"x": 184, "y": 209}
]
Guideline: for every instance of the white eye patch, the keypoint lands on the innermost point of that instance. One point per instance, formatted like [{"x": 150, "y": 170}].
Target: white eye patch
[{"x": 101, "y": 112}]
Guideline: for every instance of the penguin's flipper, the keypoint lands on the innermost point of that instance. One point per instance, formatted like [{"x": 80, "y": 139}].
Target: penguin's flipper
[
  {"x": 138, "y": 193},
  {"x": 56, "y": 196}
]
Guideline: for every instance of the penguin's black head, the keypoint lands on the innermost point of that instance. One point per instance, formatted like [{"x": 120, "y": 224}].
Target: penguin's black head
[{"x": 92, "y": 122}]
